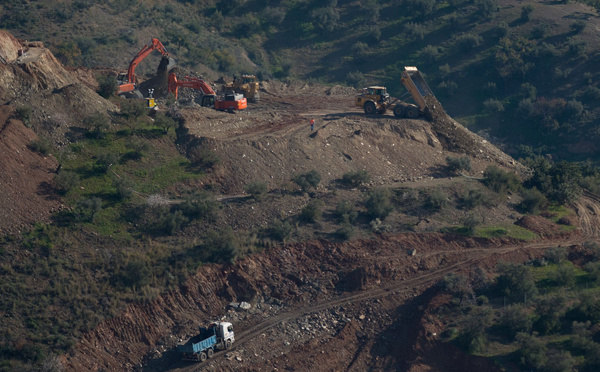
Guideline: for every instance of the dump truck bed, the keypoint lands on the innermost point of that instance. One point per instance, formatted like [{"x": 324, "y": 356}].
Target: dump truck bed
[{"x": 417, "y": 86}]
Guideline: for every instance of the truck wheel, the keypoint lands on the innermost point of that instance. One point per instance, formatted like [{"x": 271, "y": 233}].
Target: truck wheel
[
  {"x": 412, "y": 112},
  {"x": 227, "y": 344},
  {"x": 202, "y": 357},
  {"x": 399, "y": 111},
  {"x": 370, "y": 108},
  {"x": 210, "y": 353}
]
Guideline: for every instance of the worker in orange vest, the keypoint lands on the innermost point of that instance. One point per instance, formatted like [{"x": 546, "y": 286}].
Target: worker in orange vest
[{"x": 312, "y": 124}]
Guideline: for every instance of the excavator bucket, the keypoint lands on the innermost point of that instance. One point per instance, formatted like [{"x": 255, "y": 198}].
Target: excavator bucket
[{"x": 417, "y": 86}]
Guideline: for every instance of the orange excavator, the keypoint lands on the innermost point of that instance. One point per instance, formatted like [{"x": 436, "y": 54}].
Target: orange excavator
[
  {"x": 230, "y": 102},
  {"x": 128, "y": 82}
]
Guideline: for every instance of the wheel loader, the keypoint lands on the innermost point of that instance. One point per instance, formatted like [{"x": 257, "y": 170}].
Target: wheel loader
[
  {"x": 246, "y": 85},
  {"x": 376, "y": 100}
]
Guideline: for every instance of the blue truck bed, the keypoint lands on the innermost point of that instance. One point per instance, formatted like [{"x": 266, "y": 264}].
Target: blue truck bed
[{"x": 198, "y": 345}]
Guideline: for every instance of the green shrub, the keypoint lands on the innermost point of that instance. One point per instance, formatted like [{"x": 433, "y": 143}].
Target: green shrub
[
  {"x": 532, "y": 201},
  {"x": 457, "y": 285},
  {"x": 565, "y": 274},
  {"x": 42, "y": 145},
  {"x": 356, "y": 79},
  {"x": 200, "y": 205},
  {"x": 97, "y": 123},
  {"x": 447, "y": 88},
  {"x": 468, "y": 42},
  {"x": 470, "y": 223},
  {"x": 379, "y": 204},
  {"x": 137, "y": 146},
  {"x": 532, "y": 351},
  {"x": 472, "y": 199},
  {"x": 473, "y": 335},
  {"x": 220, "y": 246},
  {"x": 280, "y": 230},
  {"x": 493, "y": 105},
  {"x": 435, "y": 200},
  {"x": 312, "y": 211},
  {"x": 135, "y": 273},
  {"x": 578, "y": 26},
  {"x": 345, "y": 232},
  {"x": 500, "y": 181},
  {"x": 108, "y": 86},
  {"x": 204, "y": 158},
  {"x": 162, "y": 220},
  {"x": 306, "y": 181},
  {"x": 550, "y": 309},
  {"x": 105, "y": 160},
  {"x": 430, "y": 53},
  {"x": 555, "y": 255},
  {"x": 515, "y": 279},
  {"x": 87, "y": 208},
  {"x": 257, "y": 190},
  {"x": 526, "y": 11},
  {"x": 515, "y": 319},
  {"x": 124, "y": 188},
  {"x": 457, "y": 164},
  {"x": 24, "y": 113},
  {"x": 165, "y": 122},
  {"x": 356, "y": 179},
  {"x": 65, "y": 181},
  {"x": 345, "y": 212}
]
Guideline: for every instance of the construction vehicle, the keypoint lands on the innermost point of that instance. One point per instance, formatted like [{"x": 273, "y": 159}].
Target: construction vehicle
[
  {"x": 376, "y": 100},
  {"x": 218, "y": 336},
  {"x": 246, "y": 85},
  {"x": 128, "y": 81},
  {"x": 230, "y": 102}
]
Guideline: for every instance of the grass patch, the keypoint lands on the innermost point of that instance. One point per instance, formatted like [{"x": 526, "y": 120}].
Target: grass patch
[{"x": 508, "y": 231}]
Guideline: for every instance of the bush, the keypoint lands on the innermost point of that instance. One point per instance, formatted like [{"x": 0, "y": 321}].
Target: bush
[
  {"x": 42, "y": 145},
  {"x": 515, "y": 279},
  {"x": 457, "y": 164},
  {"x": 306, "y": 181},
  {"x": 457, "y": 285},
  {"x": 500, "y": 181},
  {"x": 65, "y": 181},
  {"x": 220, "y": 246},
  {"x": 24, "y": 114},
  {"x": 356, "y": 179},
  {"x": 200, "y": 205},
  {"x": 345, "y": 232},
  {"x": 203, "y": 158},
  {"x": 430, "y": 53},
  {"x": 565, "y": 274},
  {"x": 467, "y": 42},
  {"x": 280, "y": 230},
  {"x": 448, "y": 87},
  {"x": 532, "y": 201},
  {"x": 124, "y": 188},
  {"x": 312, "y": 211},
  {"x": 472, "y": 199},
  {"x": 97, "y": 123},
  {"x": 532, "y": 351},
  {"x": 487, "y": 7},
  {"x": 436, "y": 200},
  {"x": 578, "y": 26},
  {"x": 555, "y": 255},
  {"x": 470, "y": 223},
  {"x": 526, "y": 11},
  {"x": 473, "y": 336},
  {"x": 257, "y": 190},
  {"x": 493, "y": 105},
  {"x": 86, "y": 209},
  {"x": 105, "y": 160},
  {"x": 515, "y": 319},
  {"x": 345, "y": 212},
  {"x": 356, "y": 79},
  {"x": 137, "y": 146},
  {"x": 379, "y": 203},
  {"x": 136, "y": 273},
  {"x": 165, "y": 122},
  {"x": 108, "y": 86}
]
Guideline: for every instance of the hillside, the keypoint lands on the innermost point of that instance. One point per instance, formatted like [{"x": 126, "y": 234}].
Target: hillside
[
  {"x": 520, "y": 73},
  {"x": 126, "y": 230}
]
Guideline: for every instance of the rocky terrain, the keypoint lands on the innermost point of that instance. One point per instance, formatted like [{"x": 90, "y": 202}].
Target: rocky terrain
[{"x": 366, "y": 304}]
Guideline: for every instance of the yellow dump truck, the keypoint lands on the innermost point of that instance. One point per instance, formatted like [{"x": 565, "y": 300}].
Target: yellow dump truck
[{"x": 376, "y": 100}]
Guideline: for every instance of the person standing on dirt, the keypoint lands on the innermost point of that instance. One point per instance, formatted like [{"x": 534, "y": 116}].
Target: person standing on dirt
[{"x": 312, "y": 124}]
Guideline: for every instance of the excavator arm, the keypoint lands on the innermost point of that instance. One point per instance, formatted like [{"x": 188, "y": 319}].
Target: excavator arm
[
  {"x": 189, "y": 82},
  {"x": 129, "y": 84}
]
